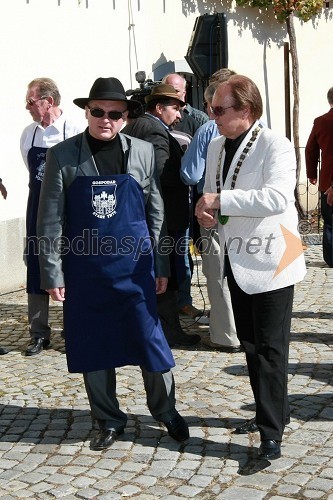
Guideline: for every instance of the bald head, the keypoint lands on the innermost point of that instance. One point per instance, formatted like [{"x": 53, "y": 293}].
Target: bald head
[{"x": 178, "y": 82}]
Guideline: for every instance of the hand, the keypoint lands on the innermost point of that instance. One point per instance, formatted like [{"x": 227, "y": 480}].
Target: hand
[
  {"x": 329, "y": 193},
  {"x": 3, "y": 190},
  {"x": 57, "y": 294},
  {"x": 208, "y": 219},
  {"x": 312, "y": 181},
  {"x": 161, "y": 285},
  {"x": 206, "y": 204}
]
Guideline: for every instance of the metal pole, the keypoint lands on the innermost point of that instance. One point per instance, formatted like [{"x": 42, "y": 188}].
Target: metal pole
[{"x": 223, "y": 41}]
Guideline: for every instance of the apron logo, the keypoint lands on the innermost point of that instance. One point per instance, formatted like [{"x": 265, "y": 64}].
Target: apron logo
[
  {"x": 103, "y": 199},
  {"x": 40, "y": 167}
]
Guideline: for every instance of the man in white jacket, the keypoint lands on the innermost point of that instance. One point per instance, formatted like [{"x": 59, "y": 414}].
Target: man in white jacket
[{"x": 249, "y": 193}]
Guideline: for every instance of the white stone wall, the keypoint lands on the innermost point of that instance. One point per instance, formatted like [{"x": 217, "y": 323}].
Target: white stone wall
[{"x": 74, "y": 44}]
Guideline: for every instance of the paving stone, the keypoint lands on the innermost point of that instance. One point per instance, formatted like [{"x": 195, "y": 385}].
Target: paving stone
[{"x": 46, "y": 427}]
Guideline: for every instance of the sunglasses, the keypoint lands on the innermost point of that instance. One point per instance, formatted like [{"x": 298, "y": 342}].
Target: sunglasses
[
  {"x": 32, "y": 101},
  {"x": 219, "y": 110},
  {"x": 100, "y": 113}
]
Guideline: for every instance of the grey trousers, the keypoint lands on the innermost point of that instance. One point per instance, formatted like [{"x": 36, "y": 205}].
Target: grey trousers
[
  {"x": 38, "y": 315},
  {"x": 101, "y": 390},
  {"x": 222, "y": 328}
]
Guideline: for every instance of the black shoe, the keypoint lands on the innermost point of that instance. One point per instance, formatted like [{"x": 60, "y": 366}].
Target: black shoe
[
  {"x": 105, "y": 438},
  {"x": 269, "y": 449},
  {"x": 219, "y": 347},
  {"x": 178, "y": 428},
  {"x": 36, "y": 346},
  {"x": 184, "y": 340},
  {"x": 3, "y": 350},
  {"x": 247, "y": 427},
  {"x": 191, "y": 311},
  {"x": 167, "y": 309},
  {"x": 231, "y": 349},
  {"x": 251, "y": 426}
]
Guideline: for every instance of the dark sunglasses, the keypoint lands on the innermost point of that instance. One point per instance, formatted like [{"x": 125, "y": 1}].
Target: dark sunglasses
[
  {"x": 219, "y": 110},
  {"x": 100, "y": 113}
]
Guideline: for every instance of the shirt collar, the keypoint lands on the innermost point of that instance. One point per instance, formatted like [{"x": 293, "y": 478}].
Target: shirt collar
[
  {"x": 58, "y": 124},
  {"x": 158, "y": 119}
]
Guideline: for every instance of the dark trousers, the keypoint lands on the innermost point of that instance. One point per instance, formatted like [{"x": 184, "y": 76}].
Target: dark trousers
[
  {"x": 101, "y": 390},
  {"x": 327, "y": 215},
  {"x": 263, "y": 328},
  {"x": 38, "y": 315}
]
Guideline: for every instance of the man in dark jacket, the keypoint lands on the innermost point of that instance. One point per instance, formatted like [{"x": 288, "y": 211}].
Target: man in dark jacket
[
  {"x": 162, "y": 110},
  {"x": 191, "y": 120}
]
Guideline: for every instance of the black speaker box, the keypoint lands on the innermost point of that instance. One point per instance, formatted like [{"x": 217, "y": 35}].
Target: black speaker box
[{"x": 208, "y": 47}]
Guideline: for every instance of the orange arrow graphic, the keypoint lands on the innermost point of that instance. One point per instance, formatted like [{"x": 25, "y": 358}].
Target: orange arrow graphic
[{"x": 293, "y": 250}]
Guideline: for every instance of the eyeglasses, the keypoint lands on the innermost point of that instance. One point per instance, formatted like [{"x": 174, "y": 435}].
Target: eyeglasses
[
  {"x": 219, "y": 110},
  {"x": 100, "y": 113},
  {"x": 32, "y": 101}
]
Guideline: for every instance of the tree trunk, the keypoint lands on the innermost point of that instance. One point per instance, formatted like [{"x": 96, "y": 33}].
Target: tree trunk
[{"x": 295, "y": 78}]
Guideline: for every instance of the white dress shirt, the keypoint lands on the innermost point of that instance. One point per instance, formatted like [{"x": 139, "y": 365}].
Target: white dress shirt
[{"x": 61, "y": 129}]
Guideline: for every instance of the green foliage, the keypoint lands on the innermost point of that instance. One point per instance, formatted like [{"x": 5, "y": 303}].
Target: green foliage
[{"x": 304, "y": 9}]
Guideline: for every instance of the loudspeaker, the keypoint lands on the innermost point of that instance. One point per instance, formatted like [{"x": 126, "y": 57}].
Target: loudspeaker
[{"x": 208, "y": 47}]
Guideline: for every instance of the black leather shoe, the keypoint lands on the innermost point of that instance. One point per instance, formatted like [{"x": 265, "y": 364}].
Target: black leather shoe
[
  {"x": 251, "y": 426},
  {"x": 36, "y": 346},
  {"x": 269, "y": 449},
  {"x": 231, "y": 349},
  {"x": 184, "y": 340},
  {"x": 247, "y": 427},
  {"x": 178, "y": 428},
  {"x": 105, "y": 438},
  {"x": 219, "y": 347},
  {"x": 3, "y": 350}
]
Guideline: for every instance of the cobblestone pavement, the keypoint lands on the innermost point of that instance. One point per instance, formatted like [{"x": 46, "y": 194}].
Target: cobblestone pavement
[{"x": 46, "y": 427}]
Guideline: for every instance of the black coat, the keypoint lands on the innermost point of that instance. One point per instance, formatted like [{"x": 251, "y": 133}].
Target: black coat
[
  {"x": 168, "y": 154},
  {"x": 187, "y": 124}
]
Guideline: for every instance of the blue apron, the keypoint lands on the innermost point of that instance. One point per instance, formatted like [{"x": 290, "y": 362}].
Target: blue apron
[
  {"x": 110, "y": 314},
  {"x": 36, "y": 164}
]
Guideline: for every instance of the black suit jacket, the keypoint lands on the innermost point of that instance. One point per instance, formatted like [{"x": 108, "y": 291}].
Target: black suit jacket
[
  {"x": 168, "y": 155},
  {"x": 187, "y": 124}
]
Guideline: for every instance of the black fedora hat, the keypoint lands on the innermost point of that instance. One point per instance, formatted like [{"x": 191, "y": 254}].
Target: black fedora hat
[{"x": 106, "y": 89}]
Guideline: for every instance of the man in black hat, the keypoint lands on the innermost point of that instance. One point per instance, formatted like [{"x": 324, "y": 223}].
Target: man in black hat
[
  {"x": 100, "y": 215},
  {"x": 162, "y": 110}
]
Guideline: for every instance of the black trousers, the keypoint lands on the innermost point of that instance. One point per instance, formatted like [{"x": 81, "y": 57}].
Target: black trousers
[
  {"x": 101, "y": 390},
  {"x": 327, "y": 215},
  {"x": 38, "y": 316},
  {"x": 263, "y": 327}
]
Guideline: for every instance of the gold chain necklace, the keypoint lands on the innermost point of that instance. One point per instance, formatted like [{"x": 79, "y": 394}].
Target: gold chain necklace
[{"x": 223, "y": 219}]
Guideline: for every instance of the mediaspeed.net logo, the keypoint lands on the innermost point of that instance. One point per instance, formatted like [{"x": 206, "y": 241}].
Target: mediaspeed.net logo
[
  {"x": 265, "y": 245},
  {"x": 91, "y": 244},
  {"x": 293, "y": 250}
]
